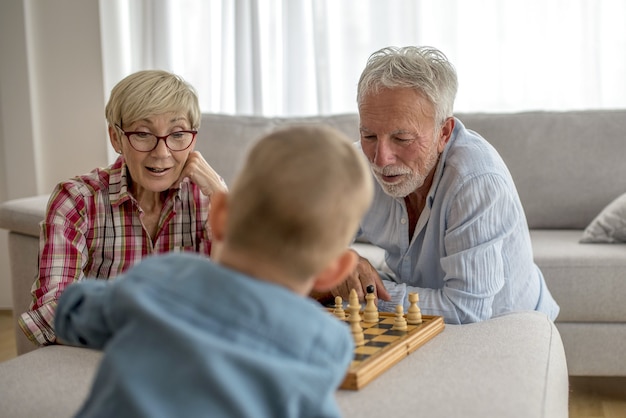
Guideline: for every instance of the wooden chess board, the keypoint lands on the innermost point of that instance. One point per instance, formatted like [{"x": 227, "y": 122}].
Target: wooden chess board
[{"x": 385, "y": 347}]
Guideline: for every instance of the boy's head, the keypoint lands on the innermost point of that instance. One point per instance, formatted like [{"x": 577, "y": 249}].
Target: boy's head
[{"x": 298, "y": 200}]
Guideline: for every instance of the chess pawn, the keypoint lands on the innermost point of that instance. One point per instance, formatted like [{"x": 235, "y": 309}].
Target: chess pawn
[
  {"x": 370, "y": 313},
  {"x": 399, "y": 324},
  {"x": 414, "y": 314},
  {"x": 338, "y": 311}
]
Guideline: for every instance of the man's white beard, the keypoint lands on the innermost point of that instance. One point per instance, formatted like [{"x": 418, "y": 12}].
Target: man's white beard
[
  {"x": 403, "y": 188},
  {"x": 412, "y": 180}
]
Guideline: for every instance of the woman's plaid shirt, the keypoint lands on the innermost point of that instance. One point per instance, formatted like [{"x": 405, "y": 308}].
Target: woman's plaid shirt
[{"x": 93, "y": 229}]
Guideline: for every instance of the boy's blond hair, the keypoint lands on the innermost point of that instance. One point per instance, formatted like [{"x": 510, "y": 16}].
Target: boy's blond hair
[
  {"x": 152, "y": 92},
  {"x": 299, "y": 199}
]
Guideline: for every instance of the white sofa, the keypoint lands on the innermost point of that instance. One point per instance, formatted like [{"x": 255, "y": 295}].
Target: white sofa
[{"x": 567, "y": 166}]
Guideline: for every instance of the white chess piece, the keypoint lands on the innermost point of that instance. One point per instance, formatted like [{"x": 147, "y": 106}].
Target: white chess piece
[
  {"x": 338, "y": 311},
  {"x": 355, "y": 319},
  {"x": 414, "y": 314},
  {"x": 399, "y": 324}
]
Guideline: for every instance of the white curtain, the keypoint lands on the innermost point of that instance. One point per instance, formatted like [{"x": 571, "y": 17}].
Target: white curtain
[{"x": 304, "y": 57}]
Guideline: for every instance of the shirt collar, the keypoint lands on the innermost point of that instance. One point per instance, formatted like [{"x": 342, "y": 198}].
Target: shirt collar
[{"x": 442, "y": 162}]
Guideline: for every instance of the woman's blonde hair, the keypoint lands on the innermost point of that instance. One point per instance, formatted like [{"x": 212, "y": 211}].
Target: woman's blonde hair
[
  {"x": 152, "y": 92},
  {"x": 299, "y": 199}
]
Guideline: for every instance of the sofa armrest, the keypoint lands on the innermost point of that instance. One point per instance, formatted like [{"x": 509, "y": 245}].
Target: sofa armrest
[{"x": 24, "y": 215}]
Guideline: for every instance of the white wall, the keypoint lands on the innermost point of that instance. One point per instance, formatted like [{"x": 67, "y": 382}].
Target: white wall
[{"x": 52, "y": 99}]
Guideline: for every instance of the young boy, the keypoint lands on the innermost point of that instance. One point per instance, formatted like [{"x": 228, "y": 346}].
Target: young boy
[{"x": 184, "y": 336}]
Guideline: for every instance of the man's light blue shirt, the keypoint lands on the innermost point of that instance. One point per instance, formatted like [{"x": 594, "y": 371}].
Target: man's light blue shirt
[{"x": 470, "y": 257}]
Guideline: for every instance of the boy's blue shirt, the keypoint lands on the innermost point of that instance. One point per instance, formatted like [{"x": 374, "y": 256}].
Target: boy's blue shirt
[{"x": 185, "y": 337}]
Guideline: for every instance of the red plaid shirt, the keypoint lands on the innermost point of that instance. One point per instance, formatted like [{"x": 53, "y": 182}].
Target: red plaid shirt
[{"x": 93, "y": 229}]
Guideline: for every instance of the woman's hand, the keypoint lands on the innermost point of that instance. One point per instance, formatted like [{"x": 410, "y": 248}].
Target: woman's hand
[{"x": 202, "y": 174}]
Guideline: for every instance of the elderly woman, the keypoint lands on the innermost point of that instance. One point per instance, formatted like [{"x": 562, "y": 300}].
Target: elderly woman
[{"x": 153, "y": 199}]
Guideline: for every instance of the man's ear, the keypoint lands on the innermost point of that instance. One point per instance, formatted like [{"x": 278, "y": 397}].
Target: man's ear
[
  {"x": 218, "y": 214},
  {"x": 336, "y": 272},
  {"x": 446, "y": 132}
]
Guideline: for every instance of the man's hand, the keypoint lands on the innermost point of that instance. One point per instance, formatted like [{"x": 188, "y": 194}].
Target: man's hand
[
  {"x": 201, "y": 173},
  {"x": 363, "y": 275}
]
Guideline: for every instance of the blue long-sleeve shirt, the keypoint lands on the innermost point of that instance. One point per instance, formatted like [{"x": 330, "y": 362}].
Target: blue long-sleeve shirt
[
  {"x": 470, "y": 257},
  {"x": 183, "y": 337}
]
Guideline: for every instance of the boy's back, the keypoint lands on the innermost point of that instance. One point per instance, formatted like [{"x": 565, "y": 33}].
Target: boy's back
[{"x": 230, "y": 346}]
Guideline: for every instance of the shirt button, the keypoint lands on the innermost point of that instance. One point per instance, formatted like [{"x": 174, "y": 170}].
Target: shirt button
[{"x": 403, "y": 221}]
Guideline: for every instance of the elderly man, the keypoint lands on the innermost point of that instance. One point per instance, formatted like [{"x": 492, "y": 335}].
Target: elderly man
[{"x": 446, "y": 210}]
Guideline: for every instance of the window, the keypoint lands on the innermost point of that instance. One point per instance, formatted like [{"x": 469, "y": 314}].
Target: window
[{"x": 285, "y": 57}]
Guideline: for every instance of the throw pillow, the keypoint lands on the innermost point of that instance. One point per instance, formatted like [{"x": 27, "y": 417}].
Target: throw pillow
[{"x": 610, "y": 225}]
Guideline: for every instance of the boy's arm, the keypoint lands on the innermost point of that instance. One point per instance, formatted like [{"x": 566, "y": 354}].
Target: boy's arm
[{"x": 82, "y": 314}]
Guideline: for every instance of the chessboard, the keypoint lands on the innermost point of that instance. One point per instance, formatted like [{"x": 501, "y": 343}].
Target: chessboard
[
  {"x": 382, "y": 339},
  {"x": 385, "y": 347}
]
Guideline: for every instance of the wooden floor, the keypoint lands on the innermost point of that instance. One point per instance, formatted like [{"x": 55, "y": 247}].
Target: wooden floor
[
  {"x": 590, "y": 397},
  {"x": 7, "y": 336},
  {"x": 603, "y": 397}
]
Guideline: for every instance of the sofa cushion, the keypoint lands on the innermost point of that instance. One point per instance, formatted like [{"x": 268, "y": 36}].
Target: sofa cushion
[
  {"x": 587, "y": 281},
  {"x": 546, "y": 152},
  {"x": 610, "y": 224},
  {"x": 594, "y": 348},
  {"x": 49, "y": 382},
  {"x": 566, "y": 165},
  {"x": 591, "y": 321},
  {"x": 224, "y": 139},
  {"x": 578, "y": 276}
]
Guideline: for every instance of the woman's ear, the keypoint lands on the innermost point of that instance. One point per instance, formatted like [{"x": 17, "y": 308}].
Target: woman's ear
[
  {"x": 114, "y": 138},
  {"x": 336, "y": 272}
]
